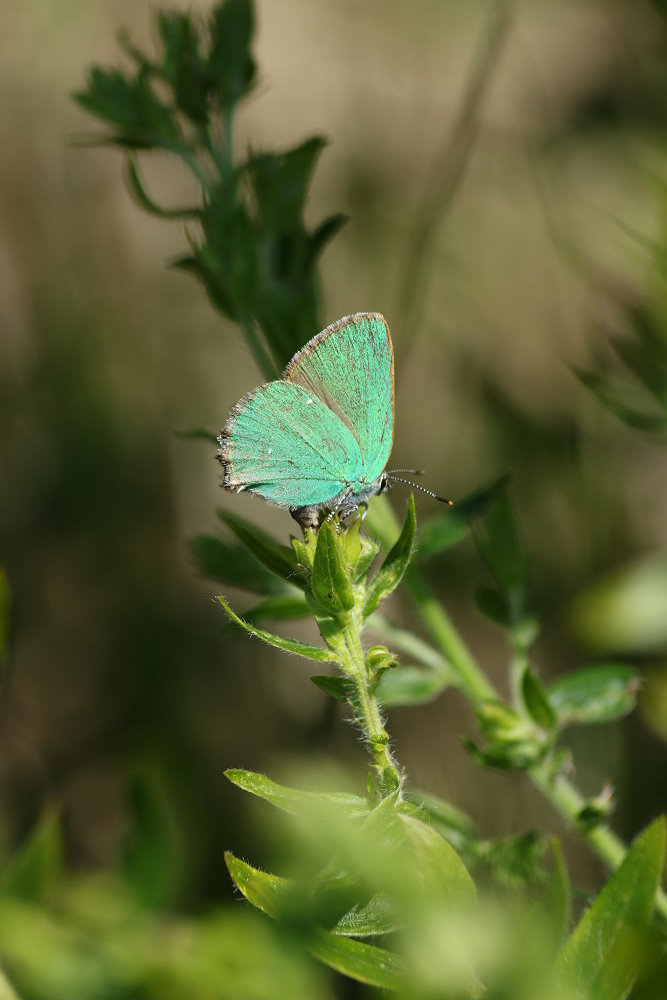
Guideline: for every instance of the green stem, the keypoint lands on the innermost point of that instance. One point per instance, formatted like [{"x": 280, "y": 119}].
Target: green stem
[
  {"x": 473, "y": 680},
  {"x": 365, "y": 704}
]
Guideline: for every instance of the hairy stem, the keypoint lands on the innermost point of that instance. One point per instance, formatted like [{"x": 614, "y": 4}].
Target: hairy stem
[{"x": 365, "y": 704}]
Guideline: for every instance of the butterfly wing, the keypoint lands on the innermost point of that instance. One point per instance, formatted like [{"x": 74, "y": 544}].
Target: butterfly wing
[
  {"x": 283, "y": 443},
  {"x": 350, "y": 368}
]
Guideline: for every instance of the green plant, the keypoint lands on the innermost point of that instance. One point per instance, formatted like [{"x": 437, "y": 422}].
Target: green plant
[{"x": 393, "y": 864}]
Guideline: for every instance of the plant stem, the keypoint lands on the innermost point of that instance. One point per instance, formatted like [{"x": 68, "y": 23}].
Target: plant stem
[
  {"x": 473, "y": 680},
  {"x": 561, "y": 793},
  {"x": 365, "y": 704}
]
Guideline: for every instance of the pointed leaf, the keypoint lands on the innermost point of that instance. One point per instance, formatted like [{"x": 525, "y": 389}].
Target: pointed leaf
[
  {"x": 557, "y": 900},
  {"x": 146, "y": 202},
  {"x": 276, "y": 557},
  {"x": 441, "y": 532},
  {"x": 288, "y": 645},
  {"x": 232, "y": 564},
  {"x": 263, "y": 890},
  {"x": 595, "y": 694},
  {"x": 151, "y": 848},
  {"x": 231, "y": 67},
  {"x": 494, "y": 606},
  {"x": 34, "y": 870},
  {"x": 537, "y": 703},
  {"x": 295, "y": 800},
  {"x": 363, "y": 962},
  {"x": 497, "y": 538},
  {"x": 391, "y": 572},
  {"x": 277, "y": 896},
  {"x": 279, "y": 607},
  {"x": 409, "y": 686},
  {"x": 331, "y": 584},
  {"x": 450, "y": 821},
  {"x": 325, "y": 232},
  {"x": 445, "y": 875},
  {"x": 598, "y": 961},
  {"x": 338, "y": 687},
  {"x": 380, "y": 915}
]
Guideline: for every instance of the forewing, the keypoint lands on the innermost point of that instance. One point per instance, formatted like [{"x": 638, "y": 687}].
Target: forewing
[
  {"x": 350, "y": 367},
  {"x": 284, "y": 444}
]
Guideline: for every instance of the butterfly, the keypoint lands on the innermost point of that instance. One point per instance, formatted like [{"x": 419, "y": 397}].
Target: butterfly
[{"x": 319, "y": 438}]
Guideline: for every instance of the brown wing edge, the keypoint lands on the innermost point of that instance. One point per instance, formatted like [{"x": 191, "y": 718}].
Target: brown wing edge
[
  {"x": 222, "y": 454},
  {"x": 333, "y": 328}
]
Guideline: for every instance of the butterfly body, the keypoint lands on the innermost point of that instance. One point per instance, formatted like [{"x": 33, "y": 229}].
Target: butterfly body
[{"x": 319, "y": 438}]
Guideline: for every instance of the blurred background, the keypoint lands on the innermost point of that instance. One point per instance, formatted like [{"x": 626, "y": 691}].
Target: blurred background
[{"x": 497, "y": 274}]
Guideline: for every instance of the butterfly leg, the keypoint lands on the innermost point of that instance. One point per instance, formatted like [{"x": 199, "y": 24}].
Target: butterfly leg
[
  {"x": 362, "y": 505},
  {"x": 341, "y": 508}
]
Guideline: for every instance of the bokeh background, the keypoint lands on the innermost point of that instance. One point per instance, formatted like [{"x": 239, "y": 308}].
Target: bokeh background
[{"x": 497, "y": 271}]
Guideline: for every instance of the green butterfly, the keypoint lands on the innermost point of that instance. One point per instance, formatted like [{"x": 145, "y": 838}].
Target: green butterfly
[{"x": 320, "y": 437}]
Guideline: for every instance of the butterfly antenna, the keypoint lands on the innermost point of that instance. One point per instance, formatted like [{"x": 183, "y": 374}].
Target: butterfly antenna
[
  {"x": 412, "y": 472},
  {"x": 397, "y": 479}
]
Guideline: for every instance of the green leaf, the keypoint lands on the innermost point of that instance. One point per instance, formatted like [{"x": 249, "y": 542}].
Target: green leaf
[
  {"x": 294, "y": 800},
  {"x": 626, "y": 609},
  {"x": 133, "y": 107},
  {"x": 279, "y": 607},
  {"x": 477, "y": 503},
  {"x": 450, "y": 821},
  {"x": 622, "y": 401},
  {"x": 151, "y": 849},
  {"x": 537, "y": 703},
  {"x": 409, "y": 686},
  {"x": 5, "y": 615},
  {"x": 338, "y": 687},
  {"x": 277, "y": 558},
  {"x": 278, "y": 897},
  {"x": 33, "y": 872},
  {"x": 230, "y": 66},
  {"x": 263, "y": 890},
  {"x": 182, "y": 66},
  {"x": 304, "y": 649},
  {"x": 595, "y": 694},
  {"x": 363, "y": 962},
  {"x": 331, "y": 584},
  {"x": 326, "y": 232},
  {"x": 497, "y": 539},
  {"x": 391, "y": 572},
  {"x": 494, "y": 606},
  {"x": 232, "y": 564},
  {"x": 445, "y": 876},
  {"x": 280, "y": 182},
  {"x": 380, "y": 915},
  {"x": 557, "y": 900},
  {"x": 441, "y": 532},
  {"x": 146, "y": 202},
  {"x": 600, "y": 959}
]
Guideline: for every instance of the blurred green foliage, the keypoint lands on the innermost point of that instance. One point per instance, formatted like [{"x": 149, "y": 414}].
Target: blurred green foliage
[
  {"x": 89, "y": 522},
  {"x": 251, "y": 250}
]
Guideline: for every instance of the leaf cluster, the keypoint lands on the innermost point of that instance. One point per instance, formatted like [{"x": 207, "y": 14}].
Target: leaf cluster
[
  {"x": 631, "y": 379},
  {"x": 248, "y": 242}
]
